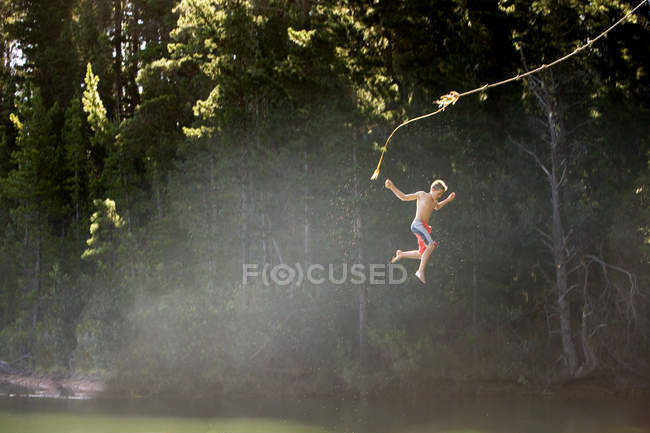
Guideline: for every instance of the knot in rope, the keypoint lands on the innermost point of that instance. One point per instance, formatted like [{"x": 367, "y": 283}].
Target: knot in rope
[{"x": 448, "y": 99}]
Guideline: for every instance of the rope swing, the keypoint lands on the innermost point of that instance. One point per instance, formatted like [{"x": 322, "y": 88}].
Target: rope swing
[{"x": 452, "y": 97}]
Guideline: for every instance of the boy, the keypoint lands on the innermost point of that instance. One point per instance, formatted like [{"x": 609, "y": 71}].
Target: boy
[{"x": 426, "y": 203}]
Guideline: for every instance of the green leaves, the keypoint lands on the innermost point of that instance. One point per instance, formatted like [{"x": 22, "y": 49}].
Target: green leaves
[
  {"x": 93, "y": 105},
  {"x": 302, "y": 38},
  {"x": 32, "y": 180},
  {"x": 105, "y": 225}
]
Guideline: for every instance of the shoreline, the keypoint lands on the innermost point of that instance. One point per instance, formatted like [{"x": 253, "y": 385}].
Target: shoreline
[
  {"x": 45, "y": 386},
  {"x": 80, "y": 387}
]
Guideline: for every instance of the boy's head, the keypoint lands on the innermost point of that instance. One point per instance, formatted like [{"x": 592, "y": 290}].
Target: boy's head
[{"x": 438, "y": 188}]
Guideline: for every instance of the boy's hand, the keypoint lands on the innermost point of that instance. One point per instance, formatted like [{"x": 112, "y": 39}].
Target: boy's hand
[
  {"x": 446, "y": 201},
  {"x": 388, "y": 184}
]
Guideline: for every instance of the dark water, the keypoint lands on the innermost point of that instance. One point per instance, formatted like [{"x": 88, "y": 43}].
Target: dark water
[{"x": 509, "y": 415}]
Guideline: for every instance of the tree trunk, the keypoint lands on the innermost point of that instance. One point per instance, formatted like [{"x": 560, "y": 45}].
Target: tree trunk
[
  {"x": 77, "y": 215},
  {"x": 266, "y": 251},
  {"x": 363, "y": 290},
  {"x": 158, "y": 190},
  {"x": 475, "y": 252},
  {"x": 307, "y": 214},
  {"x": 135, "y": 39},
  {"x": 561, "y": 279},
  {"x": 244, "y": 204},
  {"x": 209, "y": 198},
  {"x": 117, "y": 47},
  {"x": 36, "y": 284},
  {"x": 543, "y": 89}
]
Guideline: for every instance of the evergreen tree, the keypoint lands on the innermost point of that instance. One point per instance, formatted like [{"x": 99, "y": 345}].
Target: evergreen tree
[
  {"x": 43, "y": 34},
  {"x": 78, "y": 165},
  {"x": 31, "y": 185}
]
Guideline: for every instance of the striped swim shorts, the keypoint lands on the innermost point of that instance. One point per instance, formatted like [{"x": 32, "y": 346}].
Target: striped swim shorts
[{"x": 422, "y": 231}]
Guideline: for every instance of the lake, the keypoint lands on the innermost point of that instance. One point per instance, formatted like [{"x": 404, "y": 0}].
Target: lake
[{"x": 467, "y": 415}]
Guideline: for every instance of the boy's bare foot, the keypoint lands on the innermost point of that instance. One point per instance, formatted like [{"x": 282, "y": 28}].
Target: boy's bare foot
[
  {"x": 420, "y": 276},
  {"x": 398, "y": 255}
]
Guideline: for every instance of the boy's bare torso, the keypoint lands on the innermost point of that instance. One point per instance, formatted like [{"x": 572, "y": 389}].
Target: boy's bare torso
[{"x": 425, "y": 206}]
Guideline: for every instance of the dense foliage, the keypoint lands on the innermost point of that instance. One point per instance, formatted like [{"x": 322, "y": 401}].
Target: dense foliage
[{"x": 149, "y": 149}]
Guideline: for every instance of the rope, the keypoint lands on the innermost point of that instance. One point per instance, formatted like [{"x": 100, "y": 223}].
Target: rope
[{"x": 452, "y": 97}]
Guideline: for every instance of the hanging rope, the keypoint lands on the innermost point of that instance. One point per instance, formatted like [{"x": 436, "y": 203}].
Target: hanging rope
[{"x": 452, "y": 97}]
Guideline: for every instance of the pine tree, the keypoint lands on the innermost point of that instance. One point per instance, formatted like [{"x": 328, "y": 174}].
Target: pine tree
[
  {"x": 31, "y": 184},
  {"x": 44, "y": 35},
  {"x": 77, "y": 162}
]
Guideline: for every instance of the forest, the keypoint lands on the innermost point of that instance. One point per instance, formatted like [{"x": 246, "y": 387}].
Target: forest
[{"x": 151, "y": 149}]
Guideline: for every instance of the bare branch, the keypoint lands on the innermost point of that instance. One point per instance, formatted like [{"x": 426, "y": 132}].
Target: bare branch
[
  {"x": 274, "y": 243},
  {"x": 531, "y": 153},
  {"x": 630, "y": 309},
  {"x": 546, "y": 238},
  {"x": 570, "y": 254},
  {"x": 575, "y": 268},
  {"x": 563, "y": 176},
  {"x": 586, "y": 278},
  {"x": 568, "y": 235},
  {"x": 604, "y": 264},
  {"x": 545, "y": 275},
  {"x": 593, "y": 332},
  {"x": 540, "y": 122},
  {"x": 543, "y": 103},
  {"x": 544, "y": 234},
  {"x": 565, "y": 294},
  {"x": 578, "y": 126}
]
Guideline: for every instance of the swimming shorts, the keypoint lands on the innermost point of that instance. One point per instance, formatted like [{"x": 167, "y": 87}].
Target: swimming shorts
[{"x": 422, "y": 231}]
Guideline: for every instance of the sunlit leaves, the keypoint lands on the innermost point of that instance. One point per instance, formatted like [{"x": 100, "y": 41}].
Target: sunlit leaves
[
  {"x": 302, "y": 38},
  {"x": 92, "y": 103},
  {"x": 104, "y": 224}
]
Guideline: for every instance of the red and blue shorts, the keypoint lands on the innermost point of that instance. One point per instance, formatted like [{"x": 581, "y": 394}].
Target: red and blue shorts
[{"x": 422, "y": 231}]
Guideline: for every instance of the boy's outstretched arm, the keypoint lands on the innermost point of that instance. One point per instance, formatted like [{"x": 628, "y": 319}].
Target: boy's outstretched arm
[
  {"x": 449, "y": 198},
  {"x": 404, "y": 197}
]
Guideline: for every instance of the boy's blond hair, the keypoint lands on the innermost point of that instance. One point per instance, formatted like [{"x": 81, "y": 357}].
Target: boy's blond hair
[{"x": 439, "y": 184}]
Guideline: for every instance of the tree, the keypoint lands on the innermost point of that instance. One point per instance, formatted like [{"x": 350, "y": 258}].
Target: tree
[
  {"x": 104, "y": 226},
  {"x": 76, "y": 147},
  {"x": 31, "y": 183},
  {"x": 43, "y": 35},
  {"x": 566, "y": 156}
]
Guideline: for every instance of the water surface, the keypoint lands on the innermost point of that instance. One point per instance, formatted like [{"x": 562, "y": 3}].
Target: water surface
[{"x": 503, "y": 415}]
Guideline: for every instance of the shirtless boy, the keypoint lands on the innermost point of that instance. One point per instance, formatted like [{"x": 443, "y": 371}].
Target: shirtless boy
[{"x": 427, "y": 202}]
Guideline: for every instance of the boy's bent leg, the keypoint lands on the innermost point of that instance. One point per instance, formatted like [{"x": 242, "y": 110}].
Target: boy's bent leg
[
  {"x": 425, "y": 258},
  {"x": 414, "y": 254},
  {"x": 426, "y": 254}
]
